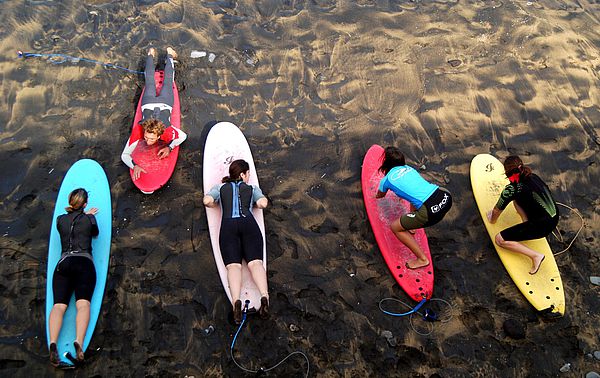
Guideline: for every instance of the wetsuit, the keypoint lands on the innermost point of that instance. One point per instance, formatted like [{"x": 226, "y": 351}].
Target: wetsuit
[
  {"x": 534, "y": 197},
  {"x": 75, "y": 271},
  {"x": 240, "y": 237},
  {"x": 430, "y": 201}
]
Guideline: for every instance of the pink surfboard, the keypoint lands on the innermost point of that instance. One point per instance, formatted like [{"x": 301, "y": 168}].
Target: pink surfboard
[
  {"x": 417, "y": 283},
  {"x": 158, "y": 171},
  {"x": 224, "y": 144}
]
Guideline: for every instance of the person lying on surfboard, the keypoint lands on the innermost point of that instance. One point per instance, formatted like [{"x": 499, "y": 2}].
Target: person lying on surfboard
[
  {"x": 429, "y": 202},
  {"x": 156, "y": 114},
  {"x": 75, "y": 271},
  {"x": 240, "y": 237},
  {"x": 534, "y": 203}
]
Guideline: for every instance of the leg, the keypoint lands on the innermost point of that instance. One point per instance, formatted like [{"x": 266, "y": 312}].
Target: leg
[
  {"x": 234, "y": 279},
  {"x": 81, "y": 323},
  {"x": 408, "y": 240},
  {"x": 259, "y": 275},
  {"x": 150, "y": 85},
  {"x": 166, "y": 93},
  {"x": 514, "y": 246},
  {"x": 55, "y": 322}
]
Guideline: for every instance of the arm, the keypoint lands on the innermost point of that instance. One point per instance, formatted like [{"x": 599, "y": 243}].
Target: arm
[
  {"x": 493, "y": 215},
  {"x": 262, "y": 203},
  {"x": 92, "y": 218},
  {"x": 209, "y": 201},
  {"x": 258, "y": 198},
  {"x": 178, "y": 137},
  {"x": 128, "y": 160}
]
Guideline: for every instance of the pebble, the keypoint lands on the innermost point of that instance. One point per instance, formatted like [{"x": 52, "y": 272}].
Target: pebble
[
  {"x": 197, "y": 54},
  {"x": 565, "y": 368},
  {"x": 595, "y": 280},
  {"x": 592, "y": 374},
  {"x": 209, "y": 330},
  {"x": 454, "y": 62},
  {"x": 294, "y": 328},
  {"x": 387, "y": 334},
  {"x": 211, "y": 57},
  {"x": 597, "y": 354}
]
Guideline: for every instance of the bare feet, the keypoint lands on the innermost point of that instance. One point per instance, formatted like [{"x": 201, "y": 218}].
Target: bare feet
[
  {"x": 264, "y": 307},
  {"x": 237, "y": 312},
  {"x": 536, "y": 264},
  {"x": 54, "y": 361},
  {"x": 171, "y": 52},
  {"x": 417, "y": 263},
  {"x": 78, "y": 352},
  {"x": 152, "y": 51}
]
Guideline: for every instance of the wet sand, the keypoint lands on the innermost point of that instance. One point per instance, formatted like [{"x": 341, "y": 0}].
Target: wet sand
[{"x": 312, "y": 84}]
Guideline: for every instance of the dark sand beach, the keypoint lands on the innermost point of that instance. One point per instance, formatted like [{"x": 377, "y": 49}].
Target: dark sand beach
[{"x": 312, "y": 84}]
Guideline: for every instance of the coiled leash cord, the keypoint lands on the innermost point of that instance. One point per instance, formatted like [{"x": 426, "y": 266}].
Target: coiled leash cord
[
  {"x": 559, "y": 236},
  {"x": 428, "y": 315},
  {"x": 262, "y": 370}
]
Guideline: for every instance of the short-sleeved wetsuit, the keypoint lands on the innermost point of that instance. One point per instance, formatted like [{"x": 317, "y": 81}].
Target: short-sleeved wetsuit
[
  {"x": 240, "y": 237},
  {"x": 534, "y": 197},
  {"x": 75, "y": 270},
  {"x": 430, "y": 201}
]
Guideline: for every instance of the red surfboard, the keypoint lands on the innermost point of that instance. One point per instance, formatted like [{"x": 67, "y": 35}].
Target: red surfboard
[
  {"x": 417, "y": 283},
  {"x": 158, "y": 171}
]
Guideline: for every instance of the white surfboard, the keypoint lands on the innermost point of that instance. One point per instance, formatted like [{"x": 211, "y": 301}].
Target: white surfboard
[{"x": 224, "y": 144}]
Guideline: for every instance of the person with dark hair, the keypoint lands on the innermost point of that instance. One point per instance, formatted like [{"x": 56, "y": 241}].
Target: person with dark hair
[
  {"x": 75, "y": 271},
  {"x": 240, "y": 237},
  {"x": 429, "y": 202},
  {"x": 534, "y": 203},
  {"x": 156, "y": 114}
]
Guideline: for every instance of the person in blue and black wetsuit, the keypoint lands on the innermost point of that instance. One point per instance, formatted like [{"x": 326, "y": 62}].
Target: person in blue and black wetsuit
[
  {"x": 429, "y": 202},
  {"x": 75, "y": 271},
  {"x": 535, "y": 205},
  {"x": 240, "y": 237}
]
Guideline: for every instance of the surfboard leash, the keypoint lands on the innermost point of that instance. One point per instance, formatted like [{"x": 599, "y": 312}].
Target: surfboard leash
[
  {"x": 262, "y": 369},
  {"x": 62, "y": 58},
  {"x": 428, "y": 315},
  {"x": 558, "y": 236}
]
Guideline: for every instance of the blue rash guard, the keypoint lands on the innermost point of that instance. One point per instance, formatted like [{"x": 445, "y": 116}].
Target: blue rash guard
[{"x": 407, "y": 183}]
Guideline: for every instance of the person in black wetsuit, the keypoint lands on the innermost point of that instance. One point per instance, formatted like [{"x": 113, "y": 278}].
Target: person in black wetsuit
[
  {"x": 75, "y": 271},
  {"x": 535, "y": 205},
  {"x": 240, "y": 237}
]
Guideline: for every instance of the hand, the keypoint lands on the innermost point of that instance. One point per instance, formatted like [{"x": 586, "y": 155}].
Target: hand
[
  {"x": 490, "y": 214},
  {"x": 164, "y": 152},
  {"x": 137, "y": 171},
  {"x": 92, "y": 211}
]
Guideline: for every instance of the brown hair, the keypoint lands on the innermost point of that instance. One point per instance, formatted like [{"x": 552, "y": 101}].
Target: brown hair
[
  {"x": 236, "y": 168},
  {"x": 153, "y": 126},
  {"x": 513, "y": 164},
  {"x": 77, "y": 200},
  {"x": 391, "y": 157}
]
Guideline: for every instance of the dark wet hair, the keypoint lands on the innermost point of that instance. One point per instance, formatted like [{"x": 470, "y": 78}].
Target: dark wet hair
[
  {"x": 236, "y": 168},
  {"x": 513, "y": 164},
  {"x": 77, "y": 199},
  {"x": 391, "y": 157}
]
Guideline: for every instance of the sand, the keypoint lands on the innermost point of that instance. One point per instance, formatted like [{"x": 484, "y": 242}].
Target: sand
[{"x": 312, "y": 84}]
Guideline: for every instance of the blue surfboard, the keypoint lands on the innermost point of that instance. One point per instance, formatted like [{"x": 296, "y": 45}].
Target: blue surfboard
[{"x": 87, "y": 174}]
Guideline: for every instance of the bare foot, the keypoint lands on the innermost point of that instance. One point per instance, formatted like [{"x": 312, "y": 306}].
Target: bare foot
[
  {"x": 152, "y": 51},
  {"x": 536, "y": 264},
  {"x": 171, "y": 52},
  {"x": 417, "y": 263}
]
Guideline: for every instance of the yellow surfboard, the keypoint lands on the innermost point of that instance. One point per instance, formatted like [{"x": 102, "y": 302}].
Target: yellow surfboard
[{"x": 544, "y": 290}]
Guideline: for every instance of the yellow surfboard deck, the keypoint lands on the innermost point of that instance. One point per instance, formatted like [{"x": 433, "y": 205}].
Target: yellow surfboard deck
[{"x": 544, "y": 290}]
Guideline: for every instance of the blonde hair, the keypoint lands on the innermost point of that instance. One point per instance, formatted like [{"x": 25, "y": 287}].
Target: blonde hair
[
  {"x": 77, "y": 200},
  {"x": 154, "y": 126}
]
